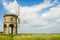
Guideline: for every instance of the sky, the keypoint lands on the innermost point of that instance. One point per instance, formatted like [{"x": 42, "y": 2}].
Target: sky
[{"x": 37, "y": 16}]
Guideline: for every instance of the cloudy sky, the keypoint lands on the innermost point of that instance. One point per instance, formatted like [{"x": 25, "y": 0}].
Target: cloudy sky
[{"x": 37, "y": 16}]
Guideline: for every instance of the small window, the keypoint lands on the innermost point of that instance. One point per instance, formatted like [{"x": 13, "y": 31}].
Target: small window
[{"x": 11, "y": 19}]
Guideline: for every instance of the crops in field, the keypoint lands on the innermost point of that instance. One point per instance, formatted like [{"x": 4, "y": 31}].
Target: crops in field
[{"x": 30, "y": 37}]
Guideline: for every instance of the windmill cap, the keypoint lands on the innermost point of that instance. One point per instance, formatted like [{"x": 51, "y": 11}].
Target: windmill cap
[{"x": 11, "y": 15}]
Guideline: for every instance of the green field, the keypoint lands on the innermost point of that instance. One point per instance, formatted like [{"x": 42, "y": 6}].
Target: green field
[{"x": 30, "y": 37}]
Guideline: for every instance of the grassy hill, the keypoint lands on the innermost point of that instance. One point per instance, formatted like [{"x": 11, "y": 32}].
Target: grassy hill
[{"x": 30, "y": 37}]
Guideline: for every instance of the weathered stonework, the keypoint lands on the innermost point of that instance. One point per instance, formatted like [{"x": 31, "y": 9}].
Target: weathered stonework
[{"x": 10, "y": 20}]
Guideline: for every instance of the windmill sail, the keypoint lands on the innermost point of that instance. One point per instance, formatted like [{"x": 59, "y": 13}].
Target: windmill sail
[
  {"x": 18, "y": 11},
  {"x": 17, "y": 8},
  {"x": 18, "y": 16}
]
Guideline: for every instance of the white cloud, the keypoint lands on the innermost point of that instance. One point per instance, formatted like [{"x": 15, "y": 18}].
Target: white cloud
[
  {"x": 33, "y": 21},
  {"x": 53, "y": 13},
  {"x": 11, "y": 7}
]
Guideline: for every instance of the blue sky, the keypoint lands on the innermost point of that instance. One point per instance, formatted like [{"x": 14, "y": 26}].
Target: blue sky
[
  {"x": 37, "y": 16},
  {"x": 29, "y": 2}
]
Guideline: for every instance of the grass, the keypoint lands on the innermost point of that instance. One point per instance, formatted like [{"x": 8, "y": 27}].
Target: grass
[{"x": 30, "y": 37}]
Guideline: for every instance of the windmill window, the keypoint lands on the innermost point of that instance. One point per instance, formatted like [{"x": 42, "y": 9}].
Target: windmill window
[{"x": 11, "y": 19}]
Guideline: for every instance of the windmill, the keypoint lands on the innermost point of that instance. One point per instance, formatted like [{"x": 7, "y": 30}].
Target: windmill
[{"x": 12, "y": 20}]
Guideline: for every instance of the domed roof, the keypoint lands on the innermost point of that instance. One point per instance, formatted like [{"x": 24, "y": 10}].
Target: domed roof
[{"x": 11, "y": 15}]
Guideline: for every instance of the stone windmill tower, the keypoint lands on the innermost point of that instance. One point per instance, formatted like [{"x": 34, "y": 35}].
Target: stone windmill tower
[{"x": 11, "y": 21}]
